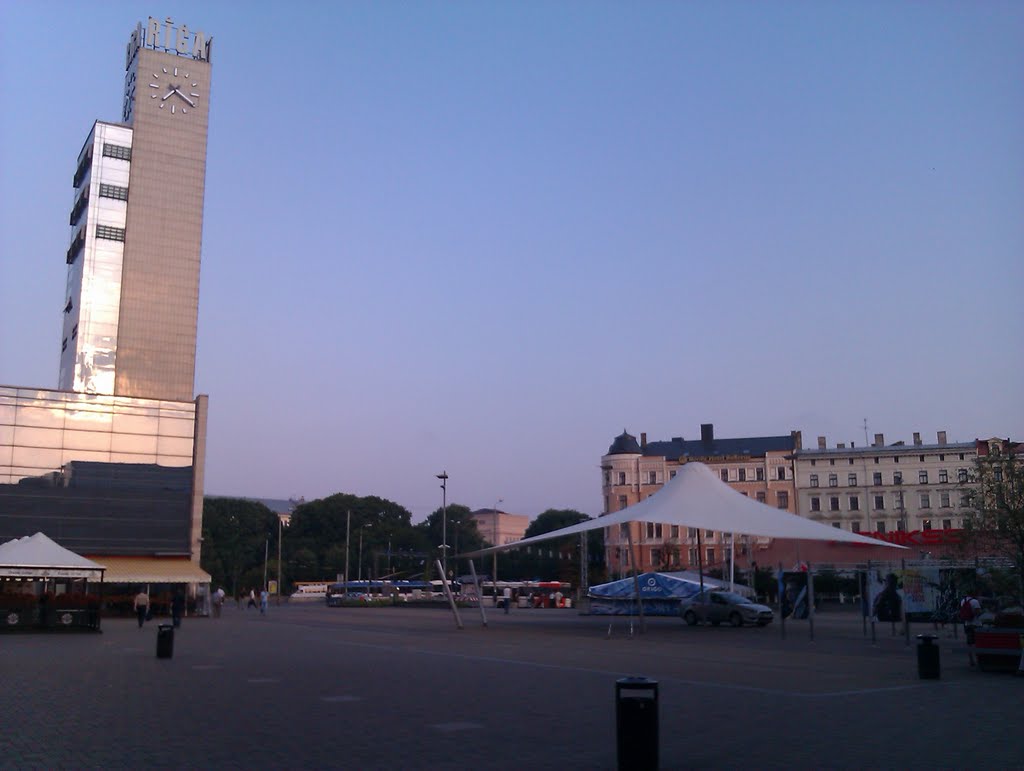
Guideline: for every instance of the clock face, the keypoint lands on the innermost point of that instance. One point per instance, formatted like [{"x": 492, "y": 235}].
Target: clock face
[{"x": 177, "y": 93}]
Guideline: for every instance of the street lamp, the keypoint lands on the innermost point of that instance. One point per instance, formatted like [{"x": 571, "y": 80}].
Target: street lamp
[
  {"x": 443, "y": 476},
  {"x": 494, "y": 556},
  {"x": 361, "y": 528}
]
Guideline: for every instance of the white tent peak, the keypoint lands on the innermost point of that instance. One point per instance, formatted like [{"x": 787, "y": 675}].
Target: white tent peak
[
  {"x": 697, "y": 498},
  {"x": 40, "y": 551}
]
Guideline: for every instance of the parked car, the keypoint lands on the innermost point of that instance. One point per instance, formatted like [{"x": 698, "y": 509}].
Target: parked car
[{"x": 717, "y": 606}]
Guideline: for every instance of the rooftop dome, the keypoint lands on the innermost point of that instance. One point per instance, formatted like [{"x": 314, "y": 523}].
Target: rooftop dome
[{"x": 624, "y": 444}]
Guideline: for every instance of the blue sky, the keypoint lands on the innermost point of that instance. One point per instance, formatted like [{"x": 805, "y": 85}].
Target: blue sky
[{"x": 486, "y": 237}]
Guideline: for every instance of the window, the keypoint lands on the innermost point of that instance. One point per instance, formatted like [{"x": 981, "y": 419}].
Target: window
[
  {"x": 876, "y": 478},
  {"x": 672, "y": 475},
  {"x": 725, "y": 475},
  {"x": 879, "y": 503},
  {"x": 607, "y": 479},
  {"x": 120, "y": 152},
  {"x": 815, "y": 503},
  {"x": 607, "y": 504},
  {"x": 831, "y": 461},
  {"x": 926, "y": 501},
  {"x": 833, "y": 480},
  {"x": 897, "y": 501},
  {"x": 926, "y": 524},
  {"x": 944, "y": 500},
  {"x": 814, "y": 480},
  {"x": 851, "y": 480},
  {"x": 896, "y": 459},
  {"x": 622, "y": 477},
  {"x": 813, "y": 462},
  {"x": 650, "y": 529},
  {"x": 709, "y": 533},
  {"x": 833, "y": 503},
  {"x": 114, "y": 191},
  {"x": 943, "y": 477},
  {"x": 783, "y": 499},
  {"x": 851, "y": 460},
  {"x": 674, "y": 532},
  {"x": 854, "y": 503},
  {"x": 652, "y": 477},
  {"x": 64, "y": 345},
  {"x": 965, "y": 499},
  {"x": 961, "y": 475},
  {"x": 997, "y": 472},
  {"x": 876, "y": 461},
  {"x": 901, "y": 526},
  {"x": 961, "y": 456},
  {"x": 622, "y": 502},
  {"x": 710, "y": 554},
  {"x": 109, "y": 233},
  {"x": 880, "y": 527},
  {"x": 657, "y": 530},
  {"x": 655, "y": 557},
  {"x": 837, "y": 525},
  {"x": 922, "y": 477},
  {"x": 74, "y": 332},
  {"x": 693, "y": 556},
  {"x": 897, "y": 477},
  {"x": 743, "y": 475},
  {"x": 69, "y": 307},
  {"x": 760, "y": 496},
  {"x": 692, "y": 532},
  {"x": 782, "y": 474},
  {"x": 759, "y": 474},
  {"x": 947, "y": 524},
  {"x": 855, "y": 527},
  {"x": 942, "y": 457}
]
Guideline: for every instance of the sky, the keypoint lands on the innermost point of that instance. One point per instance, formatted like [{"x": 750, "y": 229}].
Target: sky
[{"x": 485, "y": 238}]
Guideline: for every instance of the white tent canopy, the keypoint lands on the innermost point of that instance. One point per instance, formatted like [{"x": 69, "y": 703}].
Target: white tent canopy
[
  {"x": 696, "y": 497},
  {"x": 37, "y": 555}
]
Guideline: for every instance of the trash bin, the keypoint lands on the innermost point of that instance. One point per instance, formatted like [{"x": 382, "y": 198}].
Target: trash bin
[
  {"x": 636, "y": 723},
  {"x": 927, "y": 657},
  {"x": 164, "y": 641}
]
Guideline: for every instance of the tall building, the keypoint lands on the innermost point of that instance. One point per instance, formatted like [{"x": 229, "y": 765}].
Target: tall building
[
  {"x": 111, "y": 465},
  {"x": 760, "y": 467},
  {"x": 137, "y": 219}
]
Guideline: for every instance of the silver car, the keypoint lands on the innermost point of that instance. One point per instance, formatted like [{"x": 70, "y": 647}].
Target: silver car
[{"x": 719, "y": 606}]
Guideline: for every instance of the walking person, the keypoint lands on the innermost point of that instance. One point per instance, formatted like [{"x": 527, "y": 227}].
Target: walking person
[
  {"x": 507, "y": 594},
  {"x": 141, "y": 605},
  {"x": 218, "y": 602},
  {"x": 177, "y": 608},
  {"x": 264, "y": 597},
  {"x": 252, "y": 599},
  {"x": 970, "y": 609}
]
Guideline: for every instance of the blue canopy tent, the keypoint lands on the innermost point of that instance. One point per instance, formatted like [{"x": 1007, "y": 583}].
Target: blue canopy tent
[{"x": 661, "y": 594}]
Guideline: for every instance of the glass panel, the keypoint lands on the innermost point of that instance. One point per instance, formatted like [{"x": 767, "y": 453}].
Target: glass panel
[
  {"x": 176, "y": 427},
  {"x": 42, "y": 417},
  {"x": 6, "y": 434},
  {"x": 98, "y": 456},
  {"x": 6, "y": 414},
  {"x": 38, "y": 437},
  {"x": 87, "y": 440},
  {"x": 135, "y": 424},
  {"x": 133, "y": 443},
  {"x": 40, "y": 460},
  {"x": 174, "y": 447}
]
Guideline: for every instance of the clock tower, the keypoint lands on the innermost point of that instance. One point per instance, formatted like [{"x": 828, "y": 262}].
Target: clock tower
[{"x": 132, "y": 310}]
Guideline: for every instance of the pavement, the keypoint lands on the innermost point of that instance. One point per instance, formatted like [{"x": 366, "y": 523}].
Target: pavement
[{"x": 308, "y": 686}]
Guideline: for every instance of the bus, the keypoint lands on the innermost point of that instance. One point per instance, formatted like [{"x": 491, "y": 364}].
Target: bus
[{"x": 402, "y": 591}]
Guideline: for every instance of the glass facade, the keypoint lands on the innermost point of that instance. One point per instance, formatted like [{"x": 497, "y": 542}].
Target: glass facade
[
  {"x": 99, "y": 474},
  {"x": 93, "y": 294}
]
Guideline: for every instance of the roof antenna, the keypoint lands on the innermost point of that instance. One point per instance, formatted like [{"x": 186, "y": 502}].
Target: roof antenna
[{"x": 866, "y": 443}]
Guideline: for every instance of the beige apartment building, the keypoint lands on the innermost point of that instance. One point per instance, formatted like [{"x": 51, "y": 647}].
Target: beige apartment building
[
  {"x": 885, "y": 489},
  {"x": 499, "y": 527},
  {"x": 759, "y": 467}
]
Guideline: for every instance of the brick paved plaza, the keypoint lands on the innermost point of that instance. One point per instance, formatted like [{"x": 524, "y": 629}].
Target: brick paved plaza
[{"x": 400, "y": 688}]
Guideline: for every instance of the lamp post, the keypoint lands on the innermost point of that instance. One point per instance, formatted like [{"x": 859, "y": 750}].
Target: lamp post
[
  {"x": 443, "y": 476},
  {"x": 280, "y": 523},
  {"x": 361, "y": 528},
  {"x": 494, "y": 556}
]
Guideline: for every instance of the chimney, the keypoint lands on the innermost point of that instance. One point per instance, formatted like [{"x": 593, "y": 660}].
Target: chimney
[
  {"x": 643, "y": 439},
  {"x": 917, "y": 438},
  {"x": 879, "y": 440},
  {"x": 821, "y": 443},
  {"x": 798, "y": 439},
  {"x": 841, "y": 446},
  {"x": 942, "y": 437},
  {"x": 707, "y": 434}
]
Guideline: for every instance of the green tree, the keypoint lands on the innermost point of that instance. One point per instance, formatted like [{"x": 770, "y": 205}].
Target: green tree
[
  {"x": 994, "y": 523},
  {"x": 235, "y": 533},
  {"x": 558, "y": 559},
  {"x": 463, "y": 535}
]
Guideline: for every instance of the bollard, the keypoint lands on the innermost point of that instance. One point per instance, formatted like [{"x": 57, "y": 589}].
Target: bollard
[
  {"x": 164, "y": 641},
  {"x": 636, "y": 723},
  {"x": 927, "y": 657}
]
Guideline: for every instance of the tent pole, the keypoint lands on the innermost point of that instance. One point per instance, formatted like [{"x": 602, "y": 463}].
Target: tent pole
[
  {"x": 636, "y": 580},
  {"x": 732, "y": 562},
  {"x": 700, "y": 569},
  {"x": 479, "y": 592},
  {"x": 810, "y": 598}
]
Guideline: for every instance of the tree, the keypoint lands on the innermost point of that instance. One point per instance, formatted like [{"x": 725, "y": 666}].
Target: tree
[
  {"x": 994, "y": 523},
  {"x": 235, "y": 533},
  {"x": 463, "y": 535},
  {"x": 559, "y": 558}
]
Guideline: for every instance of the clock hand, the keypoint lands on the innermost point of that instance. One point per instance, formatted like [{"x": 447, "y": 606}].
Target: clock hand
[
  {"x": 190, "y": 102},
  {"x": 167, "y": 95}
]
